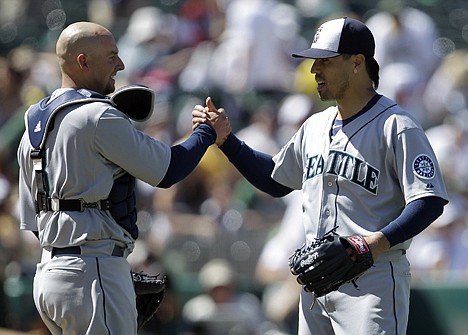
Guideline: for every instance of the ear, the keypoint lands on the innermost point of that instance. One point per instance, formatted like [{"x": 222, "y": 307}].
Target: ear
[
  {"x": 82, "y": 61},
  {"x": 358, "y": 63}
]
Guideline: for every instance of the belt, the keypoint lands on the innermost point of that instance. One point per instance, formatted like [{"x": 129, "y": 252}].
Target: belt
[
  {"x": 392, "y": 255},
  {"x": 76, "y": 204},
  {"x": 76, "y": 250}
]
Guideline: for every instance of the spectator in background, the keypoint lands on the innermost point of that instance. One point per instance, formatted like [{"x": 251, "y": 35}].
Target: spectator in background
[
  {"x": 450, "y": 143},
  {"x": 15, "y": 70},
  {"x": 222, "y": 308},
  {"x": 402, "y": 83},
  {"x": 404, "y": 35},
  {"x": 150, "y": 35},
  {"x": 446, "y": 93},
  {"x": 253, "y": 53},
  {"x": 261, "y": 127},
  {"x": 11, "y": 81},
  {"x": 292, "y": 112},
  {"x": 253, "y": 44},
  {"x": 404, "y": 38}
]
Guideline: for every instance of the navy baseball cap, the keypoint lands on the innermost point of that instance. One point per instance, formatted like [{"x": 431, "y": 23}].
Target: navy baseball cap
[{"x": 340, "y": 36}]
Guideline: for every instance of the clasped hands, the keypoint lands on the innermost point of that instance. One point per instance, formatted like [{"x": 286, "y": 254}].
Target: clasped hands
[{"x": 217, "y": 118}]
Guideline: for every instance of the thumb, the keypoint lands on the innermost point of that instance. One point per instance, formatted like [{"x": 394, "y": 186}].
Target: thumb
[{"x": 210, "y": 105}]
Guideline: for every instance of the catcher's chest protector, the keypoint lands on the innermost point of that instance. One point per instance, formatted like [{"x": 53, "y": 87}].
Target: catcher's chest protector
[{"x": 40, "y": 118}]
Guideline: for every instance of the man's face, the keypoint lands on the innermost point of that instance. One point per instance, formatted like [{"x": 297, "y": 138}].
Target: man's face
[
  {"x": 104, "y": 63},
  {"x": 332, "y": 77}
]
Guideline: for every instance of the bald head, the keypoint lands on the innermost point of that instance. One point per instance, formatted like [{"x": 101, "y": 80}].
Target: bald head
[
  {"x": 88, "y": 57},
  {"x": 80, "y": 37}
]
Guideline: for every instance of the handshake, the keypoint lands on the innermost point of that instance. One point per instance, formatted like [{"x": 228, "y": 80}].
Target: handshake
[{"x": 214, "y": 117}]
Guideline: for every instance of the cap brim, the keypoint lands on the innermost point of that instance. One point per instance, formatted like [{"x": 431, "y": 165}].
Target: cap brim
[{"x": 315, "y": 54}]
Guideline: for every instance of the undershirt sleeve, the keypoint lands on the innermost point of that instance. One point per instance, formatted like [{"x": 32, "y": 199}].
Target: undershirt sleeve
[
  {"x": 186, "y": 155},
  {"x": 255, "y": 166},
  {"x": 416, "y": 217}
]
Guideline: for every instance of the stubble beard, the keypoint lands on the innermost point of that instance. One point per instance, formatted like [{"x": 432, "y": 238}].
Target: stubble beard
[{"x": 327, "y": 95}]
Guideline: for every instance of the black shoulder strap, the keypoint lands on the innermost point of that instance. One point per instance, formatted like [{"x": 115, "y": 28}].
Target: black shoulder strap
[
  {"x": 38, "y": 119},
  {"x": 136, "y": 101},
  {"x": 40, "y": 115}
]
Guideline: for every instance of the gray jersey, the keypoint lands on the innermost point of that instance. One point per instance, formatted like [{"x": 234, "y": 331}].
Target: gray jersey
[
  {"x": 362, "y": 178},
  {"x": 86, "y": 150}
]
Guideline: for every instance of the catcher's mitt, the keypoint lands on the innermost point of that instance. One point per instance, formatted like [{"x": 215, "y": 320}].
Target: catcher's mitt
[
  {"x": 330, "y": 261},
  {"x": 149, "y": 295}
]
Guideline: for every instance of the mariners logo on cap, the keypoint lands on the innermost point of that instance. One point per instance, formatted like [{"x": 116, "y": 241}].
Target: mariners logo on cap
[
  {"x": 317, "y": 35},
  {"x": 423, "y": 166}
]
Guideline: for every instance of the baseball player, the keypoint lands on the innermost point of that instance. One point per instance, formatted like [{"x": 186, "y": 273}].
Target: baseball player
[
  {"x": 79, "y": 158},
  {"x": 365, "y": 168}
]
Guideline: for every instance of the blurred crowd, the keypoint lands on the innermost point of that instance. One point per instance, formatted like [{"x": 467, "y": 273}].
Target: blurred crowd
[{"x": 222, "y": 244}]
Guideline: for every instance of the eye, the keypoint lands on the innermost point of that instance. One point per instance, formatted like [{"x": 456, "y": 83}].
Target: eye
[
  {"x": 113, "y": 57},
  {"x": 322, "y": 61}
]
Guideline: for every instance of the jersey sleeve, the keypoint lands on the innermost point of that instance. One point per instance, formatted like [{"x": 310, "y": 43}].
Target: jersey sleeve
[
  {"x": 288, "y": 162},
  {"x": 417, "y": 166},
  {"x": 26, "y": 203},
  {"x": 137, "y": 153}
]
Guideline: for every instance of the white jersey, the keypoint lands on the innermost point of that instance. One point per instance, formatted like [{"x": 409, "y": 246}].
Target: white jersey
[
  {"x": 89, "y": 147},
  {"x": 362, "y": 178}
]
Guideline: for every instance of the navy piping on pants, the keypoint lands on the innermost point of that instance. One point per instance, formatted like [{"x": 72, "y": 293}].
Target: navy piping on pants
[
  {"x": 394, "y": 299},
  {"x": 103, "y": 295}
]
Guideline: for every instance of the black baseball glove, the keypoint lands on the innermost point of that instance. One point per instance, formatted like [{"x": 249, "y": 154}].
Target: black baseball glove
[
  {"x": 149, "y": 295},
  {"x": 330, "y": 261}
]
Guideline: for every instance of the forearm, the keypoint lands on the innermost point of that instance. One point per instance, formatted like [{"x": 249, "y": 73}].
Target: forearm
[
  {"x": 416, "y": 217},
  {"x": 186, "y": 156},
  {"x": 255, "y": 166}
]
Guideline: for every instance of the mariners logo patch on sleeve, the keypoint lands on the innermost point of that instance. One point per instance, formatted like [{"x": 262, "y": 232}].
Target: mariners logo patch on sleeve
[{"x": 423, "y": 166}]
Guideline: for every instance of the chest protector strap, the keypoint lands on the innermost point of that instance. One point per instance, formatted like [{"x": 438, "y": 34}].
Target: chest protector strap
[
  {"x": 121, "y": 201},
  {"x": 39, "y": 120}
]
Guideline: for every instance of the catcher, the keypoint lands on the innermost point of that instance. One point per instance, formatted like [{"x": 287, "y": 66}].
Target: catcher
[
  {"x": 79, "y": 159},
  {"x": 370, "y": 182}
]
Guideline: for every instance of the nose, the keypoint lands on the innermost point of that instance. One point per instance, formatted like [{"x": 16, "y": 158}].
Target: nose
[
  {"x": 314, "y": 67},
  {"x": 121, "y": 65}
]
